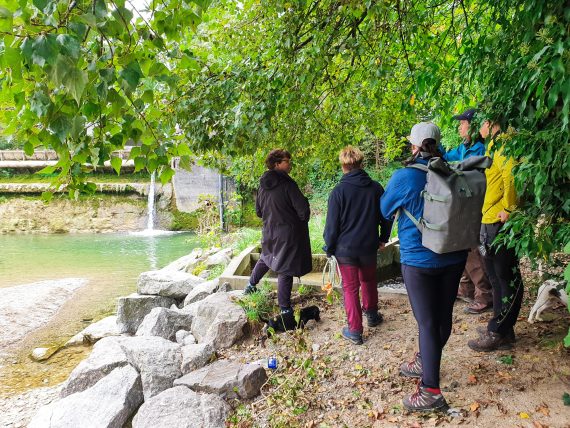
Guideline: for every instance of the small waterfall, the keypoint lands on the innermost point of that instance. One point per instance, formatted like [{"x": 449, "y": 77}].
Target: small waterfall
[{"x": 150, "y": 205}]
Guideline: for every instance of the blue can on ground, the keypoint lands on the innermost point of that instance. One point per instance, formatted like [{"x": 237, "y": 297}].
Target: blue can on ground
[{"x": 272, "y": 363}]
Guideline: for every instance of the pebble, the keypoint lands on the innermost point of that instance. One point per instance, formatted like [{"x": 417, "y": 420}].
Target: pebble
[
  {"x": 315, "y": 347},
  {"x": 17, "y": 411}
]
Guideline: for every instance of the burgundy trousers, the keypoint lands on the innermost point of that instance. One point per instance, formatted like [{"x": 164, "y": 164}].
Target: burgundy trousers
[{"x": 354, "y": 279}]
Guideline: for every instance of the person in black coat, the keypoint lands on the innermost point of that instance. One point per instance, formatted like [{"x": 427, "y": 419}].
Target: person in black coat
[
  {"x": 285, "y": 244},
  {"x": 351, "y": 235}
]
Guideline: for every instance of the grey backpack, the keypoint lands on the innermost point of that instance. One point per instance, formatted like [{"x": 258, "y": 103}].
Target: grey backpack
[{"x": 453, "y": 198}]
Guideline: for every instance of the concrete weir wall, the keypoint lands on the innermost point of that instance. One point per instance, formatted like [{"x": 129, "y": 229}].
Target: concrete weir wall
[{"x": 189, "y": 185}]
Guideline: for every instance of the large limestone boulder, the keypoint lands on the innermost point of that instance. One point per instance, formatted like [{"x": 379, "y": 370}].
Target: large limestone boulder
[
  {"x": 174, "y": 284},
  {"x": 222, "y": 257},
  {"x": 226, "y": 378},
  {"x": 107, "y": 404},
  {"x": 187, "y": 262},
  {"x": 132, "y": 309},
  {"x": 196, "y": 356},
  {"x": 103, "y": 328},
  {"x": 158, "y": 360},
  {"x": 163, "y": 322},
  {"x": 202, "y": 291},
  {"x": 106, "y": 356},
  {"x": 181, "y": 407},
  {"x": 217, "y": 319}
]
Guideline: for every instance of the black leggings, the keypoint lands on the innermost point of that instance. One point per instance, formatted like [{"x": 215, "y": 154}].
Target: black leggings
[
  {"x": 284, "y": 283},
  {"x": 432, "y": 292}
]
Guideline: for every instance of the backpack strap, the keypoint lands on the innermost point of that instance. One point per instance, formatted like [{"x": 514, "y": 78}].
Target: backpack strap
[{"x": 419, "y": 166}]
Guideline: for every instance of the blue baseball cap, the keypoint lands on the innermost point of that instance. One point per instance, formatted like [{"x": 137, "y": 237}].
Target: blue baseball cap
[{"x": 466, "y": 115}]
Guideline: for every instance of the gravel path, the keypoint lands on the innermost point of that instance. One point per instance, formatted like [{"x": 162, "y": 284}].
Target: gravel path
[{"x": 18, "y": 410}]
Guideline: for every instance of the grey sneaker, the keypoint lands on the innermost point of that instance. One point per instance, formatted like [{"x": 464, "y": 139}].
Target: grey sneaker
[
  {"x": 412, "y": 368},
  {"x": 490, "y": 341},
  {"x": 374, "y": 318},
  {"x": 425, "y": 400}
]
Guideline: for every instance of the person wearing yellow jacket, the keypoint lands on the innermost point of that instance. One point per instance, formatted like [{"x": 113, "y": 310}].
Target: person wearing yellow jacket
[{"x": 501, "y": 263}]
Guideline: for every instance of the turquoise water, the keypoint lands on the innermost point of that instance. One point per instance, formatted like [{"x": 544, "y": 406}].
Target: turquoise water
[
  {"x": 118, "y": 258},
  {"x": 111, "y": 263}
]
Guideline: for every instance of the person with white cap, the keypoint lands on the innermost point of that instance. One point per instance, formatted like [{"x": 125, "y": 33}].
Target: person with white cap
[{"x": 431, "y": 279}]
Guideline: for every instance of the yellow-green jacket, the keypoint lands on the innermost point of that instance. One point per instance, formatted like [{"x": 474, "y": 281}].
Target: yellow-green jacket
[{"x": 500, "y": 194}]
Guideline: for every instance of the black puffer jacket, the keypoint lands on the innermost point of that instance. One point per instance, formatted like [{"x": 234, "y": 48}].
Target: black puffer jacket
[
  {"x": 285, "y": 244},
  {"x": 353, "y": 217}
]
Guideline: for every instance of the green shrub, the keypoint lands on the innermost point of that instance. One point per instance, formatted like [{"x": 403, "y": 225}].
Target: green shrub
[{"x": 258, "y": 306}]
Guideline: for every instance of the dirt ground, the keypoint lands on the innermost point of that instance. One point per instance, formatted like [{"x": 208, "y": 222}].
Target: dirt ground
[{"x": 324, "y": 381}]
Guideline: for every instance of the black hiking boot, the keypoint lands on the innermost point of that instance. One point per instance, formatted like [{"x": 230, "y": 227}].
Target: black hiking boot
[
  {"x": 250, "y": 289},
  {"x": 374, "y": 318}
]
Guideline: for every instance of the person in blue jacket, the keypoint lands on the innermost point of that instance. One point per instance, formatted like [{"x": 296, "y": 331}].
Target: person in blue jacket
[
  {"x": 469, "y": 146},
  {"x": 474, "y": 286},
  {"x": 431, "y": 279}
]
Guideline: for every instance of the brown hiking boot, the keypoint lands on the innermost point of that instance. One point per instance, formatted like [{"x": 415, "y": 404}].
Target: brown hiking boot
[
  {"x": 490, "y": 341},
  {"x": 477, "y": 308},
  {"x": 510, "y": 336}
]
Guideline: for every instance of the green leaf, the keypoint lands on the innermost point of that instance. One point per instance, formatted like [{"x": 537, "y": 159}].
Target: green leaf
[
  {"x": 61, "y": 126},
  {"x": 89, "y": 19},
  {"x": 140, "y": 163},
  {"x": 13, "y": 60},
  {"x": 67, "y": 74},
  {"x": 183, "y": 150},
  {"x": 47, "y": 196},
  {"x": 78, "y": 127},
  {"x": 39, "y": 103},
  {"x": 116, "y": 163},
  {"x": 131, "y": 76},
  {"x": 44, "y": 50},
  {"x": 69, "y": 46},
  {"x": 6, "y": 20},
  {"x": 100, "y": 8},
  {"x": 79, "y": 28},
  {"x": 28, "y": 148},
  {"x": 48, "y": 170},
  {"x": 147, "y": 97},
  {"x": 166, "y": 174}
]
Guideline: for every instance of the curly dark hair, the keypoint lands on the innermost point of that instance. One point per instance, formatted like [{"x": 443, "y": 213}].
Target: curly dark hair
[{"x": 276, "y": 156}]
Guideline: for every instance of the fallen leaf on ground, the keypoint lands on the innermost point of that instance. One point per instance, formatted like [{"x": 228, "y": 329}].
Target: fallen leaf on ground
[
  {"x": 475, "y": 406},
  {"x": 543, "y": 408},
  {"x": 524, "y": 415},
  {"x": 471, "y": 379}
]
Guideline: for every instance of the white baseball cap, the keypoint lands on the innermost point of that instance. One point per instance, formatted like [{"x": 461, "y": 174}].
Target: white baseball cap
[{"x": 421, "y": 131}]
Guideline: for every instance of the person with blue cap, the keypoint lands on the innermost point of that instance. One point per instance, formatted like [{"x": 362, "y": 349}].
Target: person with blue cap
[{"x": 474, "y": 286}]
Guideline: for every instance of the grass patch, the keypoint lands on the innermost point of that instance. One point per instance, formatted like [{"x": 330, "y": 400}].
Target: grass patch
[
  {"x": 316, "y": 229},
  {"x": 183, "y": 221},
  {"x": 216, "y": 271},
  {"x": 246, "y": 237},
  {"x": 258, "y": 306}
]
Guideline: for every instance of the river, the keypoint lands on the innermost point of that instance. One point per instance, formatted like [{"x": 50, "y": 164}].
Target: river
[{"x": 105, "y": 265}]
